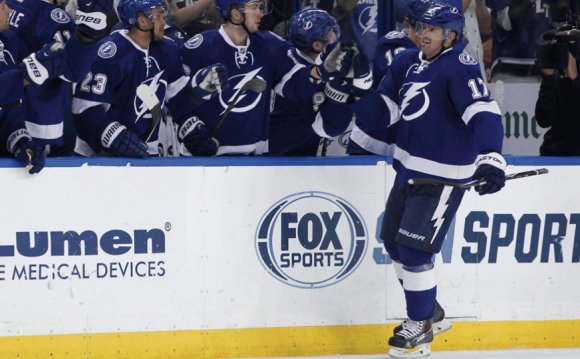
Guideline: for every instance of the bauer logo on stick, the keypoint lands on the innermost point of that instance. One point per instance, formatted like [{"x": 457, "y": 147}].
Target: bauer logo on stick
[{"x": 311, "y": 240}]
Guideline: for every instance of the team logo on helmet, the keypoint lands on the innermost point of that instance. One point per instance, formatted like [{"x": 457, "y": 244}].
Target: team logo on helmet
[
  {"x": 107, "y": 50},
  {"x": 395, "y": 35},
  {"x": 60, "y": 16},
  {"x": 194, "y": 42},
  {"x": 311, "y": 239},
  {"x": 466, "y": 59}
]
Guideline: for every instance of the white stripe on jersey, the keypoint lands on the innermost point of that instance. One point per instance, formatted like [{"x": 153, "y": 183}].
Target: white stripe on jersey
[
  {"x": 367, "y": 142},
  {"x": 257, "y": 148},
  {"x": 477, "y": 107},
  {"x": 45, "y": 132},
  {"x": 176, "y": 86},
  {"x": 80, "y": 105},
  {"x": 431, "y": 167}
]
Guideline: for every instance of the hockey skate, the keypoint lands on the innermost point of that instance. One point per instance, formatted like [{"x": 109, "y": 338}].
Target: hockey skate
[
  {"x": 412, "y": 341},
  {"x": 440, "y": 324}
]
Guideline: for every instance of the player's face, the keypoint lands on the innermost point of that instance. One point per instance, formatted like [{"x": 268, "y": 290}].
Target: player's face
[
  {"x": 253, "y": 11},
  {"x": 432, "y": 39},
  {"x": 331, "y": 37},
  {"x": 4, "y": 14},
  {"x": 158, "y": 22}
]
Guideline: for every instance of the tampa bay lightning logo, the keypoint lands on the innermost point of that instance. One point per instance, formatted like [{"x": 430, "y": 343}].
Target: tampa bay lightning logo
[
  {"x": 60, "y": 16},
  {"x": 156, "y": 84},
  {"x": 194, "y": 42},
  {"x": 367, "y": 19},
  {"x": 311, "y": 240},
  {"x": 107, "y": 50},
  {"x": 248, "y": 99},
  {"x": 466, "y": 59},
  {"x": 415, "y": 100}
]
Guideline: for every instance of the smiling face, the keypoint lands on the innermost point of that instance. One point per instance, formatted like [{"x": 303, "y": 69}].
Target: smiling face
[{"x": 433, "y": 39}]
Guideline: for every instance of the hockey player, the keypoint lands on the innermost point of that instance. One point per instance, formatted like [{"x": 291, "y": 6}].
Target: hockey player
[
  {"x": 250, "y": 54},
  {"x": 448, "y": 128},
  {"x": 13, "y": 134},
  {"x": 39, "y": 23},
  {"x": 296, "y": 129},
  {"x": 369, "y": 135},
  {"x": 111, "y": 115}
]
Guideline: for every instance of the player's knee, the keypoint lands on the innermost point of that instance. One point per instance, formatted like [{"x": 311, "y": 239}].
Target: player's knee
[{"x": 413, "y": 257}]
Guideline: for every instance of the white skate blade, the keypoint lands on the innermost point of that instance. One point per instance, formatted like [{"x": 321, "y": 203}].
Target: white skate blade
[
  {"x": 441, "y": 327},
  {"x": 420, "y": 351}
]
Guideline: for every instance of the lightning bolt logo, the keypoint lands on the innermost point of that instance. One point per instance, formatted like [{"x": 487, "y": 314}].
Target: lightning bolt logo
[
  {"x": 245, "y": 78},
  {"x": 415, "y": 89},
  {"x": 438, "y": 217},
  {"x": 153, "y": 84},
  {"x": 370, "y": 14}
]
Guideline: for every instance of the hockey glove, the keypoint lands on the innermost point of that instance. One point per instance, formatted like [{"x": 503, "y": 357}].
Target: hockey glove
[
  {"x": 334, "y": 61},
  {"x": 48, "y": 62},
  {"x": 338, "y": 90},
  {"x": 194, "y": 135},
  {"x": 360, "y": 72},
  {"x": 490, "y": 167},
  {"x": 209, "y": 80},
  {"x": 122, "y": 142},
  {"x": 93, "y": 19},
  {"x": 29, "y": 154}
]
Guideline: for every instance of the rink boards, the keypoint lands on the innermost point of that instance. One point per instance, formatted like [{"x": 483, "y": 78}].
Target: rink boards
[{"x": 251, "y": 257}]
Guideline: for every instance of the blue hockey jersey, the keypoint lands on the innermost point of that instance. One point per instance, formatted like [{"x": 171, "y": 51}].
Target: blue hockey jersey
[
  {"x": 296, "y": 128},
  {"x": 444, "y": 113},
  {"x": 35, "y": 23},
  {"x": 108, "y": 93},
  {"x": 265, "y": 56},
  {"x": 369, "y": 135}
]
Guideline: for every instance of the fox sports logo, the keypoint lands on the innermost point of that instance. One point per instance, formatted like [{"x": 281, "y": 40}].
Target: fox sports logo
[{"x": 311, "y": 240}]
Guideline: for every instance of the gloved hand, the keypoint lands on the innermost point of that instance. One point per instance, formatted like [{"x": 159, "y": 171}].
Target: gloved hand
[
  {"x": 338, "y": 90},
  {"x": 209, "y": 80},
  {"x": 29, "y": 154},
  {"x": 360, "y": 72},
  {"x": 92, "y": 19},
  {"x": 122, "y": 142},
  {"x": 48, "y": 62},
  {"x": 194, "y": 135},
  {"x": 490, "y": 167},
  {"x": 334, "y": 61}
]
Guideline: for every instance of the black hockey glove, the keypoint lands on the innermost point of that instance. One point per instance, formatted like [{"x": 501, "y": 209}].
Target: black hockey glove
[
  {"x": 29, "y": 154},
  {"x": 209, "y": 80},
  {"x": 122, "y": 142},
  {"x": 194, "y": 135},
  {"x": 94, "y": 19},
  {"x": 334, "y": 62},
  {"x": 48, "y": 62},
  {"x": 490, "y": 167}
]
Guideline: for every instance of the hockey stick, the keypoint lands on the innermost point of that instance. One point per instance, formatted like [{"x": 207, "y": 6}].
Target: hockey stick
[
  {"x": 150, "y": 101},
  {"x": 255, "y": 85},
  {"x": 477, "y": 182}
]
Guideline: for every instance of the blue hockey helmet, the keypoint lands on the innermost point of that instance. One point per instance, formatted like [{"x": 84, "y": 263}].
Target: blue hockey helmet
[
  {"x": 129, "y": 9},
  {"x": 416, "y": 10},
  {"x": 445, "y": 16},
  {"x": 309, "y": 25},
  {"x": 225, "y": 6}
]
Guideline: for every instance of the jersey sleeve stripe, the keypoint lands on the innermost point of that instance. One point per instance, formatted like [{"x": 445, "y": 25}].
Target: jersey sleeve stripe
[
  {"x": 419, "y": 164},
  {"x": 370, "y": 144},
  {"x": 79, "y": 105},
  {"x": 176, "y": 86},
  {"x": 318, "y": 126},
  {"x": 280, "y": 86},
  {"x": 477, "y": 107},
  {"x": 45, "y": 132}
]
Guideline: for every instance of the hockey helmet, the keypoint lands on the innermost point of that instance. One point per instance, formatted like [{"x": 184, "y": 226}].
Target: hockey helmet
[
  {"x": 225, "y": 6},
  {"x": 309, "y": 25},
  {"x": 129, "y": 9},
  {"x": 447, "y": 17},
  {"x": 416, "y": 9}
]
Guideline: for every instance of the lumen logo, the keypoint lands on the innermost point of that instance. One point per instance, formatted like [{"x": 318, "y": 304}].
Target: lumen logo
[
  {"x": 311, "y": 239},
  {"x": 57, "y": 243}
]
